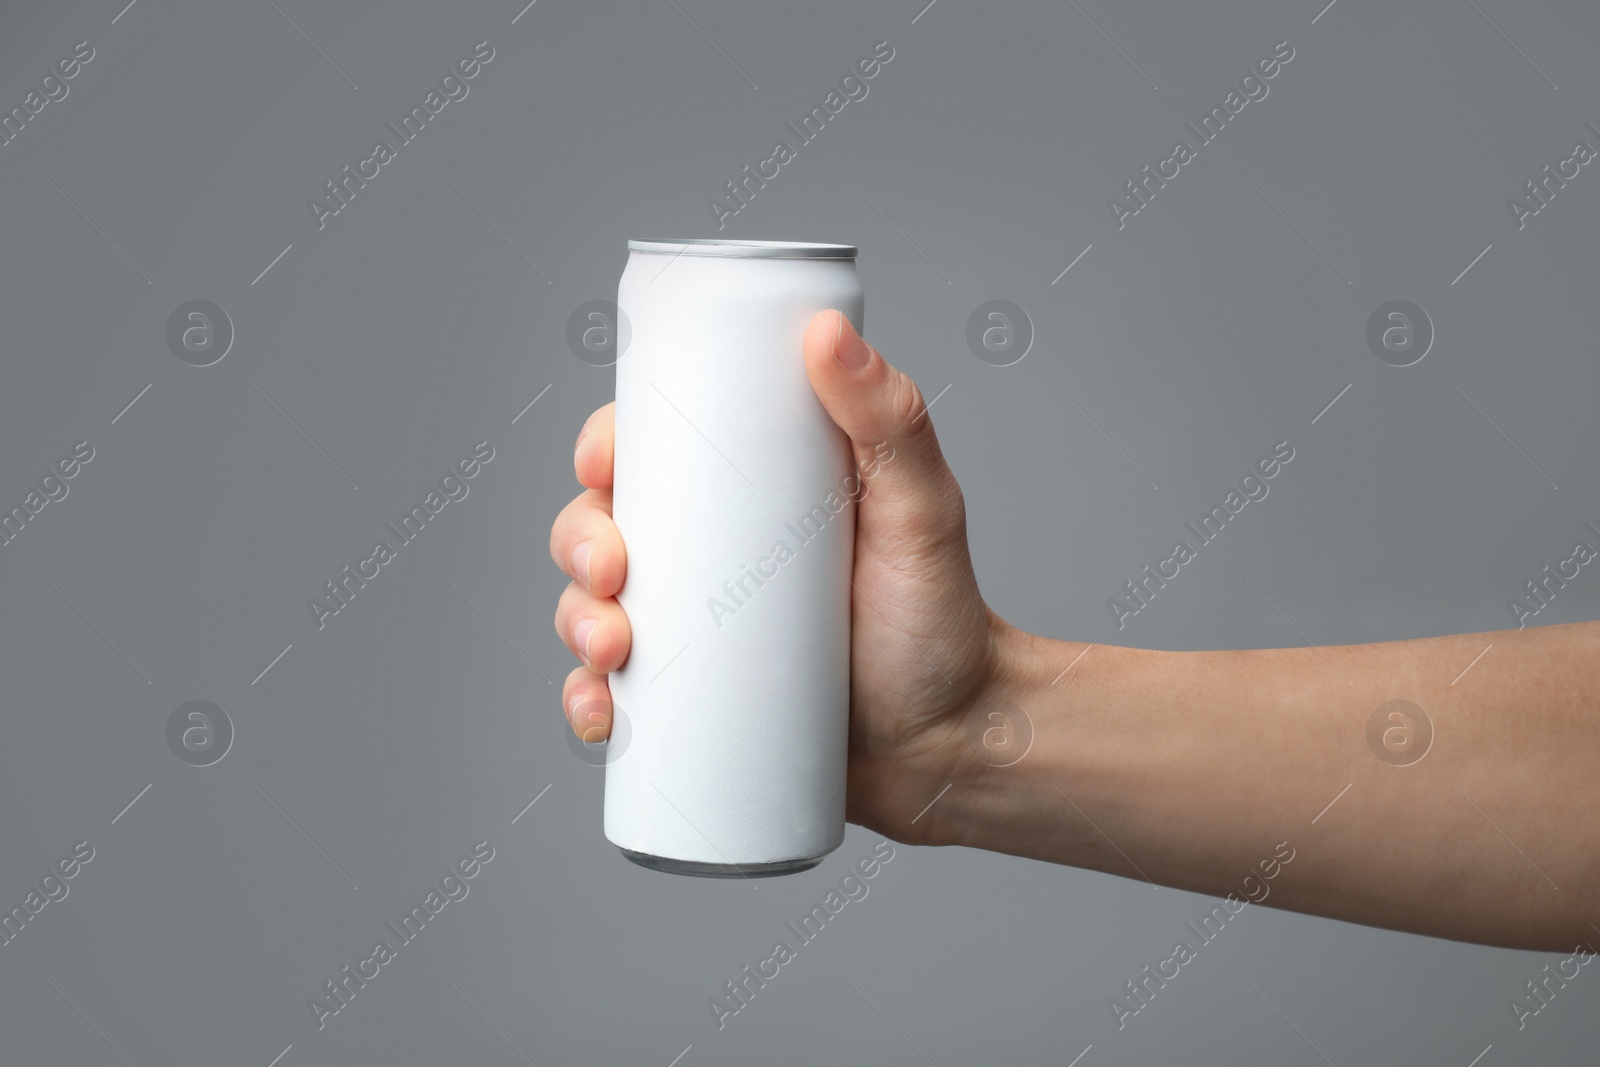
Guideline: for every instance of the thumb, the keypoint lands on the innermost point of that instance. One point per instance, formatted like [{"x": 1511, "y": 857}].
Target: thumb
[{"x": 912, "y": 489}]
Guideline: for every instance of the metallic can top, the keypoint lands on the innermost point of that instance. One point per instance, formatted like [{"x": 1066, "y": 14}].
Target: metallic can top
[{"x": 708, "y": 246}]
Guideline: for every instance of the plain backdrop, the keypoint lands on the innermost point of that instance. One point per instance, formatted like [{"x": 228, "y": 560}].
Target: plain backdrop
[{"x": 370, "y": 354}]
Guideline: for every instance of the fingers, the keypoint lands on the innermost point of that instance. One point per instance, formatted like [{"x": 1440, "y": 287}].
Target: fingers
[
  {"x": 587, "y": 545},
  {"x": 883, "y": 412},
  {"x": 592, "y": 456},
  {"x": 595, "y": 629},
  {"x": 587, "y": 700}
]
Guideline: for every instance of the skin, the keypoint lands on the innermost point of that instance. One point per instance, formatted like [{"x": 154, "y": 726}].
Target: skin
[{"x": 1186, "y": 769}]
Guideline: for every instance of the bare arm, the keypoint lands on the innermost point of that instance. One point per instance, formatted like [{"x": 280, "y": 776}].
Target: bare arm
[
  {"x": 1200, "y": 770},
  {"x": 1190, "y": 768}
]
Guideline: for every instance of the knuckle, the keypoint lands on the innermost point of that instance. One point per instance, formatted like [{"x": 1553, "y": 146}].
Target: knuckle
[
  {"x": 909, "y": 407},
  {"x": 556, "y": 539},
  {"x": 566, "y": 604},
  {"x": 561, "y": 555}
]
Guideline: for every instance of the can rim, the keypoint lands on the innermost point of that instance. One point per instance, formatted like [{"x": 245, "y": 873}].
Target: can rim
[{"x": 711, "y": 246}]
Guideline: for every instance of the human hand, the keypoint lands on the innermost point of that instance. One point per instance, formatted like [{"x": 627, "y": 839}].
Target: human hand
[{"x": 925, "y": 652}]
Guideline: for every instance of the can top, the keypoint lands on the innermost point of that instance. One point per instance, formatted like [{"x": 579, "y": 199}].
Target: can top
[{"x": 710, "y": 246}]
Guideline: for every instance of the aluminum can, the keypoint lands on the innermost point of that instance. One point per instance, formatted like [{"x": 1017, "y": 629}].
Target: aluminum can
[{"x": 735, "y": 495}]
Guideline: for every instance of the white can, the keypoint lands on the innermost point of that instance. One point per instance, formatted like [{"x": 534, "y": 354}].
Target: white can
[{"x": 735, "y": 496}]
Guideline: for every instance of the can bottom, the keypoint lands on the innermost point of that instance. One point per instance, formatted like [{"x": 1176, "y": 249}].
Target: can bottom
[{"x": 696, "y": 869}]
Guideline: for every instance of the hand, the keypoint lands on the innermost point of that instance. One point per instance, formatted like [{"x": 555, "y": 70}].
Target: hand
[
  {"x": 925, "y": 650},
  {"x": 1180, "y": 768}
]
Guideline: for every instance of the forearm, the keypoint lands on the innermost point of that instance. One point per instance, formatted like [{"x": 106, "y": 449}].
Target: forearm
[{"x": 1191, "y": 768}]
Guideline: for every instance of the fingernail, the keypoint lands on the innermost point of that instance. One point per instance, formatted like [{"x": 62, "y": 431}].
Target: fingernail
[
  {"x": 852, "y": 351},
  {"x": 572, "y": 708},
  {"x": 580, "y": 561},
  {"x": 583, "y": 635}
]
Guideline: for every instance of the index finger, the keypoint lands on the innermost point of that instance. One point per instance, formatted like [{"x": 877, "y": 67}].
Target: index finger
[{"x": 592, "y": 455}]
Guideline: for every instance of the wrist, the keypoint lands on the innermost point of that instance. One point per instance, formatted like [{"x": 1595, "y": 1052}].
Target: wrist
[
  {"x": 1010, "y": 749},
  {"x": 1048, "y": 750}
]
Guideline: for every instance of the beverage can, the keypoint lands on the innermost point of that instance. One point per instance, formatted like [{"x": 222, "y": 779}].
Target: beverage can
[{"x": 735, "y": 494}]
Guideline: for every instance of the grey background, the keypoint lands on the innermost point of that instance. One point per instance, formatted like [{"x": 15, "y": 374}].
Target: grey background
[{"x": 375, "y": 752}]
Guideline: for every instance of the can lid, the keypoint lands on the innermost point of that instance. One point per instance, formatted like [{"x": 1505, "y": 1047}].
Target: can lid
[{"x": 709, "y": 246}]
